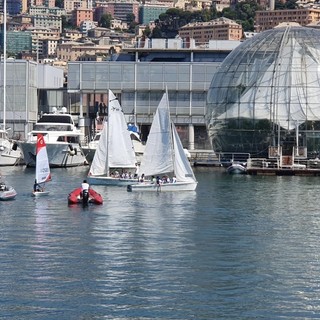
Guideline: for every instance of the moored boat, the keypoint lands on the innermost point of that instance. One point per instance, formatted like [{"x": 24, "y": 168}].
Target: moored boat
[
  {"x": 62, "y": 140},
  {"x": 237, "y": 168},
  {"x": 10, "y": 153},
  {"x": 7, "y": 192}
]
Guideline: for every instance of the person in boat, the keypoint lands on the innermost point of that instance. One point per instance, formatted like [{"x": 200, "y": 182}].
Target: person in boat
[
  {"x": 2, "y": 186},
  {"x": 174, "y": 179},
  {"x": 85, "y": 185},
  {"x": 158, "y": 181},
  {"x": 141, "y": 179},
  {"x": 37, "y": 187}
]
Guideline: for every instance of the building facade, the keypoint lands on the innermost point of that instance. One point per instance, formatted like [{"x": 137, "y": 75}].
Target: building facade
[
  {"x": 265, "y": 20},
  {"x": 218, "y": 29},
  {"x": 140, "y": 77}
]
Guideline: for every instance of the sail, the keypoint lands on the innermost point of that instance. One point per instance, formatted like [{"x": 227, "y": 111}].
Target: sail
[
  {"x": 42, "y": 163},
  {"x": 99, "y": 165},
  {"x": 120, "y": 148},
  {"x": 182, "y": 167},
  {"x": 158, "y": 154},
  {"x": 115, "y": 148}
]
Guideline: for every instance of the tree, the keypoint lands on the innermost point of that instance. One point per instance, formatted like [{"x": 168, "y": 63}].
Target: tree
[{"x": 105, "y": 20}]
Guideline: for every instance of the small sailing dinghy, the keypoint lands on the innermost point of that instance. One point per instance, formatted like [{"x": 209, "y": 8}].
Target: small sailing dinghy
[
  {"x": 164, "y": 155},
  {"x": 42, "y": 168},
  {"x": 6, "y": 192}
]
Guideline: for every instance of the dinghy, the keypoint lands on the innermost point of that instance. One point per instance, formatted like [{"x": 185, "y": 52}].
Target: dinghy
[
  {"x": 79, "y": 197},
  {"x": 42, "y": 168}
]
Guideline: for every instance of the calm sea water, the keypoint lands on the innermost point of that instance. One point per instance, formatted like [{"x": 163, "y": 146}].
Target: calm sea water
[{"x": 239, "y": 247}]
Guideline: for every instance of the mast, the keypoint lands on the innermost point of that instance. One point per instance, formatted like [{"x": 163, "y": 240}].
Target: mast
[{"x": 4, "y": 61}]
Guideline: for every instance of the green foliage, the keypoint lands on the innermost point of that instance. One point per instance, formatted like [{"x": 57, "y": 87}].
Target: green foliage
[{"x": 105, "y": 20}]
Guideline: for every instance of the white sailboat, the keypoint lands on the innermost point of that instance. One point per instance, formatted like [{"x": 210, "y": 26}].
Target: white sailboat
[
  {"x": 164, "y": 155},
  {"x": 42, "y": 168},
  {"x": 9, "y": 151},
  {"x": 114, "y": 161}
]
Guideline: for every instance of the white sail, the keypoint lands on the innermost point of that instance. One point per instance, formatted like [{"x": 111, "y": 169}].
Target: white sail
[
  {"x": 99, "y": 165},
  {"x": 115, "y": 148},
  {"x": 158, "y": 154},
  {"x": 42, "y": 163},
  {"x": 182, "y": 167}
]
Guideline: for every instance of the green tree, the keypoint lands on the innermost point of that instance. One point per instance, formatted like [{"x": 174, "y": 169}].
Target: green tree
[{"x": 105, "y": 20}]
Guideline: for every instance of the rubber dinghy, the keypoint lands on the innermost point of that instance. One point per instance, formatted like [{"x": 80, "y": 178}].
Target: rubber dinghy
[{"x": 75, "y": 197}]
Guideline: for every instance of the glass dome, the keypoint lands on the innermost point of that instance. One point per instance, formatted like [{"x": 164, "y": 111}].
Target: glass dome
[{"x": 267, "y": 93}]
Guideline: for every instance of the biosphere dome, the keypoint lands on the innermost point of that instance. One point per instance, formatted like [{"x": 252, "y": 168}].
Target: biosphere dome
[{"x": 267, "y": 92}]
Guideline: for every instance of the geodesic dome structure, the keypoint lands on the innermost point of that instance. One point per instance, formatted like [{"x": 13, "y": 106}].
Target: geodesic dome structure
[{"x": 268, "y": 87}]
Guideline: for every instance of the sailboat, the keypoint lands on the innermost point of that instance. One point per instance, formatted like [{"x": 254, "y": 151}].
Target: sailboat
[
  {"x": 9, "y": 151},
  {"x": 164, "y": 155},
  {"x": 114, "y": 161},
  {"x": 42, "y": 168}
]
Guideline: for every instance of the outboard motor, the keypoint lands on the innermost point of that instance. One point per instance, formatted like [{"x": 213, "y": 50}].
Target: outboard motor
[{"x": 85, "y": 198}]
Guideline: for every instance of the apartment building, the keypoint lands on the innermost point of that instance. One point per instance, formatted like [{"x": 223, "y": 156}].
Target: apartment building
[
  {"x": 265, "y": 20},
  {"x": 72, "y": 51},
  {"x": 70, "y": 5},
  {"x": 118, "y": 10},
  {"x": 81, "y": 14},
  {"x": 218, "y": 29},
  {"x": 47, "y": 21},
  {"x": 42, "y": 10},
  {"x": 150, "y": 12}
]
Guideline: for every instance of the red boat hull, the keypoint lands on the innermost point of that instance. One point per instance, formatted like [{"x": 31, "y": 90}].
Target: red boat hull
[{"x": 75, "y": 197}]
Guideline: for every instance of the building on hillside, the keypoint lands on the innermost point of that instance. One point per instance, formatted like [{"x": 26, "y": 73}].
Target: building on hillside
[
  {"x": 265, "y": 20},
  {"x": 72, "y": 51},
  {"x": 42, "y": 10},
  {"x": 150, "y": 12},
  {"x": 197, "y": 5},
  {"x": 118, "y": 10},
  {"x": 73, "y": 35},
  {"x": 24, "y": 21},
  {"x": 87, "y": 25},
  {"x": 218, "y": 29},
  {"x": 71, "y": 5},
  {"x": 219, "y": 5},
  {"x": 81, "y": 14},
  {"x": 48, "y": 21},
  {"x": 47, "y": 3},
  {"x": 118, "y": 24}
]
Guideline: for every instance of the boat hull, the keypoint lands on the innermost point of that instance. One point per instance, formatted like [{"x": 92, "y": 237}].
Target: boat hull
[
  {"x": 152, "y": 187},
  {"x": 236, "y": 169},
  {"x": 110, "y": 181},
  {"x": 9, "y": 156},
  {"x": 40, "y": 193},
  {"x": 9, "y": 194},
  {"x": 75, "y": 197},
  {"x": 59, "y": 154}
]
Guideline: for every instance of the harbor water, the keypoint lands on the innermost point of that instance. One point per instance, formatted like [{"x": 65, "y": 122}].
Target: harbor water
[{"x": 239, "y": 247}]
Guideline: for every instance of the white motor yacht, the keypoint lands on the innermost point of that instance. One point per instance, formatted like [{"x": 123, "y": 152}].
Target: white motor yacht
[{"x": 62, "y": 139}]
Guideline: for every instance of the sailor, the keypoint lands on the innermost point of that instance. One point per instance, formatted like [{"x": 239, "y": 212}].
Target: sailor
[{"x": 37, "y": 187}]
